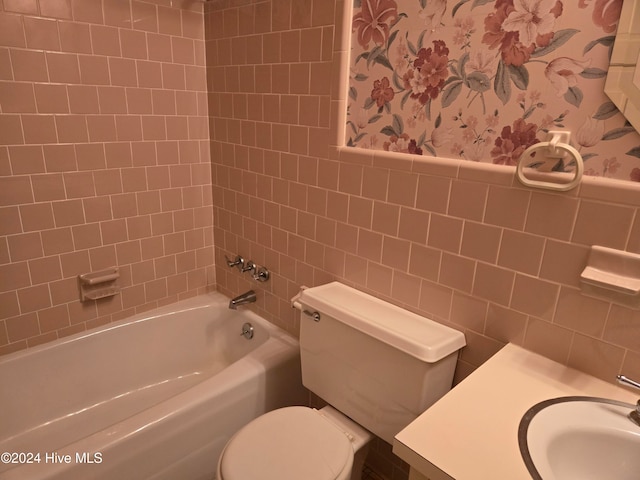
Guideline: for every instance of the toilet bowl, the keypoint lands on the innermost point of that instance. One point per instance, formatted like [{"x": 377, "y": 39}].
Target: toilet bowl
[
  {"x": 378, "y": 367},
  {"x": 294, "y": 443}
]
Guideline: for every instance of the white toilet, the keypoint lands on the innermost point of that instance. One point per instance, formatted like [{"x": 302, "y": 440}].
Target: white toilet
[{"x": 379, "y": 367}]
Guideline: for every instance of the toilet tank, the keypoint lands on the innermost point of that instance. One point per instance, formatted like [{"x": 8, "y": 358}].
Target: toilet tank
[{"x": 377, "y": 363}]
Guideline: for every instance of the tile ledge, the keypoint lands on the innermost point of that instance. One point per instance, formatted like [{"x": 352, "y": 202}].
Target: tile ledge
[{"x": 597, "y": 188}]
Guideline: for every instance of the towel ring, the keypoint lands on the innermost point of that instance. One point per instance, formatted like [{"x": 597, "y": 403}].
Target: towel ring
[{"x": 557, "y": 149}]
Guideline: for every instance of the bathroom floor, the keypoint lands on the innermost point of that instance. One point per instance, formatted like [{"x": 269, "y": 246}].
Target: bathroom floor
[{"x": 368, "y": 474}]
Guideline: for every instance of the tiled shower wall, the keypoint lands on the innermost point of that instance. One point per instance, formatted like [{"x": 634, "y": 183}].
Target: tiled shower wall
[
  {"x": 457, "y": 241},
  {"x": 104, "y": 160}
]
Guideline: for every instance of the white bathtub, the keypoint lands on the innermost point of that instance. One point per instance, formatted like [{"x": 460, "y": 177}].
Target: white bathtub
[{"x": 155, "y": 396}]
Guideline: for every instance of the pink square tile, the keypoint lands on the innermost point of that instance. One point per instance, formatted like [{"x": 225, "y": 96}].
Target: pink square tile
[
  {"x": 63, "y": 67},
  {"x": 94, "y": 70},
  {"x": 74, "y": 37},
  {"x": 39, "y": 129},
  {"x": 83, "y": 99},
  {"x": 17, "y": 97},
  {"x": 11, "y": 129},
  {"x": 602, "y": 224},
  {"x": 83, "y": 11},
  {"x": 41, "y": 33},
  {"x": 105, "y": 40},
  {"x": 29, "y": 65},
  {"x": 480, "y": 241},
  {"x": 12, "y": 31},
  {"x": 29, "y": 7},
  {"x": 133, "y": 44},
  {"x": 72, "y": 129},
  {"x": 56, "y": 8},
  {"x": 51, "y": 98},
  {"x": 145, "y": 16},
  {"x": 551, "y": 215}
]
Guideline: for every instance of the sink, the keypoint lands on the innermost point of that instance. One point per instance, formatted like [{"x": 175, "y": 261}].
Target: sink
[{"x": 580, "y": 438}]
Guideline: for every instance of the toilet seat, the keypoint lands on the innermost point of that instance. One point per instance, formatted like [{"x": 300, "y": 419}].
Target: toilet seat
[{"x": 290, "y": 443}]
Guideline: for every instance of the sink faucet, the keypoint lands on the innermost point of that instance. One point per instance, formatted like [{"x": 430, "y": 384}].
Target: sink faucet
[
  {"x": 634, "y": 415},
  {"x": 242, "y": 299}
]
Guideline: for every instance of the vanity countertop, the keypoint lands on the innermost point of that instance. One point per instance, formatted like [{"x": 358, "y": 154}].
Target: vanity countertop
[{"x": 472, "y": 432}]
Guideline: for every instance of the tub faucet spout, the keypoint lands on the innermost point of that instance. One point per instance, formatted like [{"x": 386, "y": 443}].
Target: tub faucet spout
[{"x": 242, "y": 299}]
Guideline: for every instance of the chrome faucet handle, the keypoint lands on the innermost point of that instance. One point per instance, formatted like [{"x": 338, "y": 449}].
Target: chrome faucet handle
[
  {"x": 248, "y": 266},
  {"x": 634, "y": 415},
  {"x": 261, "y": 274},
  {"x": 627, "y": 382},
  {"x": 236, "y": 262}
]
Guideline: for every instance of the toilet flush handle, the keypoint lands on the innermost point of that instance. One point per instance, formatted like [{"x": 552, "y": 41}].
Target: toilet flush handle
[{"x": 314, "y": 315}]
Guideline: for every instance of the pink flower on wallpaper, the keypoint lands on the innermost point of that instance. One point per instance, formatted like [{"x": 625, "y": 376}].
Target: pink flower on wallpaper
[
  {"x": 635, "y": 175},
  {"x": 517, "y": 29},
  {"x": 530, "y": 18},
  {"x": 563, "y": 73},
  {"x": 606, "y": 14},
  {"x": 382, "y": 92},
  {"x": 372, "y": 22},
  {"x": 426, "y": 81},
  {"x": 512, "y": 142},
  {"x": 402, "y": 144}
]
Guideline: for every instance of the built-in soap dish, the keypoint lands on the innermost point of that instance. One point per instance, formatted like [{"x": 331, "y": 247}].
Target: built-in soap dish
[
  {"x": 97, "y": 285},
  {"x": 613, "y": 275}
]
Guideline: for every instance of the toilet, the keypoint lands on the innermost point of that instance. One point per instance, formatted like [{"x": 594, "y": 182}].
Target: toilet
[{"x": 377, "y": 365}]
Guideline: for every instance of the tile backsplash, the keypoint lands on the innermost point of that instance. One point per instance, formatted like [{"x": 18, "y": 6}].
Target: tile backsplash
[
  {"x": 157, "y": 137},
  {"x": 104, "y": 160},
  {"x": 459, "y": 241}
]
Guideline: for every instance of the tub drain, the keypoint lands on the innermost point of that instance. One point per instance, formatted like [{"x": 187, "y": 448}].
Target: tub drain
[{"x": 247, "y": 331}]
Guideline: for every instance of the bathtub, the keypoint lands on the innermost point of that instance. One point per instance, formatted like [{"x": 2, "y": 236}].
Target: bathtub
[{"x": 155, "y": 396}]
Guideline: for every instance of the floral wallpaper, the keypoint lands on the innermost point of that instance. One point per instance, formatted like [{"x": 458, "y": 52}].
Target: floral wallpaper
[{"x": 482, "y": 80}]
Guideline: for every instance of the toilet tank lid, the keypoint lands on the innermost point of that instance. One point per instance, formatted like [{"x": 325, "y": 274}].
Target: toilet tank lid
[{"x": 418, "y": 336}]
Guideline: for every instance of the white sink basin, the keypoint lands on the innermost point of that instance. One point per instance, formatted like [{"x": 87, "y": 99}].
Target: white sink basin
[{"x": 580, "y": 438}]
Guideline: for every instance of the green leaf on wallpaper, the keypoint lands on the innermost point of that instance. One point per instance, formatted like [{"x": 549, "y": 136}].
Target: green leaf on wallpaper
[
  {"x": 410, "y": 45},
  {"x": 392, "y": 37},
  {"x": 604, "y": 41},
  {"x": 502, "y": 84},
  {"x": 360, "y": 136},
  {"x": 384, "y": 61},
  {"x": 461, "y": 64},
  {"x": 388, "y": 131},
  {"x": 430, "y": 149},
  {"x": 368, "y": 103},
  {"x": 374, "y": 119},
  {"x": 360, "y": 77},
  {"x": 353, "y": 93},
  {"x": 478, "y": 82},
  {"x": 519, "y": 76},
  {"x": 353, "y": 126},
  {"x": 559, "y": 38},
  {"x": 591, "y": 73},
  {"x": 423, "y": 3},
  {"x": 617, "y": 133},
  {"x": 606, "y": 110},
  {"x": 574, "y": 96},
  {"x": 398, "y": 124},
  {"x": 396, "y": 82},
  {"x": 404, "y": 99},
  {"x": 377, "y": 50},
  {"x": 438, "y": 120},
  {"x": 451, "y": 93},
  {"x": 457, "y": 6},
  {"x": 421, "y": 139},
  {"x": 421, "y": 39},
  {"x": 634, "y": 152},
  {"x": 479, "y": 3}
]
